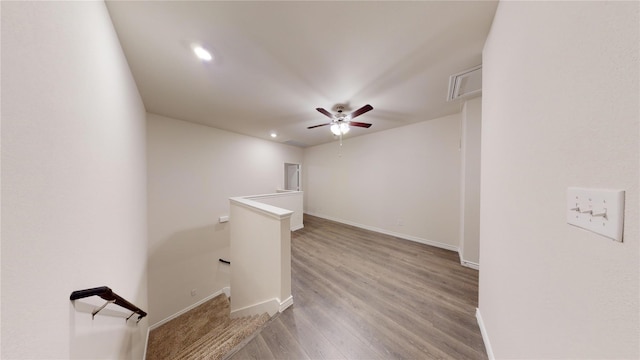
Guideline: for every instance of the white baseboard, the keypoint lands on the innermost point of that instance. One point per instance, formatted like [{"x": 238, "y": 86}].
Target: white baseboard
[
  {"x": 146, "y": 343},
  {"x": 295, "y": 228},
  {"x": 271, "y": 306},
  {"x": 469, "y": 264},
  {"x": 485, "y": 335},
  {"x": 189, "y": 308},
  {"x": 285, "y": 304},
  {"x": 391, "y": 233}
]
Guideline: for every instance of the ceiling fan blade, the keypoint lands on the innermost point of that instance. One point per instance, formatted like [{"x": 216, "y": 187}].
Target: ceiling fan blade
[
  {"x": 360, "y": 124},
  {"x": 315, "y": 126},
  {"x": 361, "y": 111},
  {"x": 325, "y": 112}
]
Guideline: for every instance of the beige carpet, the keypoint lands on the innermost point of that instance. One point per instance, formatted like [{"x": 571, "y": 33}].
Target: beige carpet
[{"x": 206, "y": 332}]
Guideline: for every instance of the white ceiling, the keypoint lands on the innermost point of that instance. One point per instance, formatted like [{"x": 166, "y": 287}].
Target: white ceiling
[{"x": 275, "y": 62}]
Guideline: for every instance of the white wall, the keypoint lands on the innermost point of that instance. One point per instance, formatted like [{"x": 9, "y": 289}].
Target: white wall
[
  {"x": 290, "y": 200},
  {"x": 73, "y": 184},
  {"x": 560, "y": 109},
  {"x": 261, "y": 257},
  {"x": 403, "y": 181},
  {"x": 470, "y": 182},
  {"x": 193, "y": 170}
]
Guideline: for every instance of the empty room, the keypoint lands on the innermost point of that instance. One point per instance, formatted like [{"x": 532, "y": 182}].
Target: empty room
[{"x": 320, "y": 180}]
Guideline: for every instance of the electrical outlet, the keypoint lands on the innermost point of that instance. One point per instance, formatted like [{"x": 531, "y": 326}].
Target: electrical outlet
[{"x": 194, "y": 292}]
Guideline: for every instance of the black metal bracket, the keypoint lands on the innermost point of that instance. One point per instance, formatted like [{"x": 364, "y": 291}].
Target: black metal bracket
[{"x": 111, "y": 298}]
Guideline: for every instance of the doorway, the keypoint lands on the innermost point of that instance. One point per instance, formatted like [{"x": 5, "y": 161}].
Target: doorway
[{"x": 292, "y": 177}]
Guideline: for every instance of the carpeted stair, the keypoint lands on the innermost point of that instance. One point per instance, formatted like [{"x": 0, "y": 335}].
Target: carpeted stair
[{"x": 206, "y": 332}]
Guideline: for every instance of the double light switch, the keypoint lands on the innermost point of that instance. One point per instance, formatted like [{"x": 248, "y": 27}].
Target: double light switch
[{"x": 596, "y": 210}]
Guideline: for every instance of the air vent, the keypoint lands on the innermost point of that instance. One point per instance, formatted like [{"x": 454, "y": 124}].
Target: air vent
[{"x": 465, "y": 84}]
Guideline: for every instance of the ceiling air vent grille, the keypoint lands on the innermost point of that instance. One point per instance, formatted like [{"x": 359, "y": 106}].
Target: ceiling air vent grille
[{"x": 465, "y": 84}]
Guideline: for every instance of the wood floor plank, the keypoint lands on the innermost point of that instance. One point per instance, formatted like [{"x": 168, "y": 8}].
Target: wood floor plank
[
  {"x": 363, "y": 311},
  {"x": 281, "y": 344},
  {"x": 309, "y": 336},
  {"x": 332, "y": 321},
  {"x": 256, "y": 349},
  {"x": 360, "y": 294}
]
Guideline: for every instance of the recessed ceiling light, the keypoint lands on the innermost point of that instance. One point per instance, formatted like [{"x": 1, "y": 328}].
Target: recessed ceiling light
[
  {"x": 274, "y": 135},
  {"x": 202, "y": 54}
]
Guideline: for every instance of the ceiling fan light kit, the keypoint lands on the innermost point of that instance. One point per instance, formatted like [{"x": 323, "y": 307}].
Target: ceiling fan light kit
[{"x": 340, "y": 128}]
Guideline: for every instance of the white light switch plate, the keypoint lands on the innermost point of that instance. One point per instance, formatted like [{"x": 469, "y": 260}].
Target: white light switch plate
[{"x": 597, "y": 210}]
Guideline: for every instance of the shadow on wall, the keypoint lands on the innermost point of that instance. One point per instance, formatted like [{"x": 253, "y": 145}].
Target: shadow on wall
[
  {"x": 108, "y": 328},
  {"x": 97, "y": 337},
  {"x": 185, "y": 262}
]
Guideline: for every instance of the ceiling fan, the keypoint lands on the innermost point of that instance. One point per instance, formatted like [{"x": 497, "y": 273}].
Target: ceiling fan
[{"x": 340, "y": 122}]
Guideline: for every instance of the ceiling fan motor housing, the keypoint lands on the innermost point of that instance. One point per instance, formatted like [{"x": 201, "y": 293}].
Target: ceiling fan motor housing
[{"x": 341, "y": 108}]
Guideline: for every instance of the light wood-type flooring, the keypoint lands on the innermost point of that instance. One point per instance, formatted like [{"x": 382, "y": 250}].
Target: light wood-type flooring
[{"x": 363, "y": 295}]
